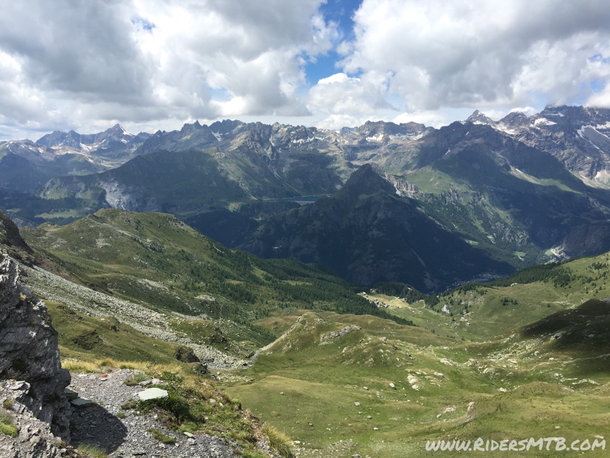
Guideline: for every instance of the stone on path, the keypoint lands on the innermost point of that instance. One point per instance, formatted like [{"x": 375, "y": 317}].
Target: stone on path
[
  {"x": 70, "y": 394},
  {"x": 82, "y": 402},
  {"x": 152, "y": 393}
]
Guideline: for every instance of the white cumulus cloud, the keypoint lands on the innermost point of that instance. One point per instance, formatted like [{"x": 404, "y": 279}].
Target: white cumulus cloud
[
  {"x": 152, "y": 64},
  {"x": 72, "y": 64},
  {"x": 479, "y": 53}
]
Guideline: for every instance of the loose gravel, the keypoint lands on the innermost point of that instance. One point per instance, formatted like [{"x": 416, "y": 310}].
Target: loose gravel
[{"x": 99, "y": 426}]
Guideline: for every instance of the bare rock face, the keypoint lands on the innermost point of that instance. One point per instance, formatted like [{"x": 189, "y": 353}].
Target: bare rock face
[
  {"x": 29, "y": 351},
  {"x": 11, "y": 241},
  {"x": 35, "y": 438}
]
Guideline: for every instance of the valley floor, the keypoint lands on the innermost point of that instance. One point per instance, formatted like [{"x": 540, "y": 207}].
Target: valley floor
[{"x": 390, "y": 390}]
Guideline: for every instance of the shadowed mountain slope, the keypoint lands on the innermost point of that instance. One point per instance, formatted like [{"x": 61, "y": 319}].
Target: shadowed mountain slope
[{"x": 366, "y": 233}]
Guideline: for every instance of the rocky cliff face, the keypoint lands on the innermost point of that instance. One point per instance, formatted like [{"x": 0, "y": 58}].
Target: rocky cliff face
[
  {"x": 29, "y": 351},
  {"x": 11, "y": 242},
  {"x": 577, "y": 136}
]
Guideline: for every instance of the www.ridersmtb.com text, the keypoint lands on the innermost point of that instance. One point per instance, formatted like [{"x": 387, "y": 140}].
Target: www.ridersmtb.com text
[{"x": 542, "y": 443}]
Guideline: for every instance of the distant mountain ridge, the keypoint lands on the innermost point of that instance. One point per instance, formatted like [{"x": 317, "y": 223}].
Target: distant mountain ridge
[
  {"x": 26, "y": 165},
  {"x": 577, "y": 136},
  {"x": 524, "y": 190},
  {"x": 71, "y": 139}
]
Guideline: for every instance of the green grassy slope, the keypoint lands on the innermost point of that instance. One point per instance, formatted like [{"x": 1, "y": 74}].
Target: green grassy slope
[
  {"x": 514, "y": 201},
  {"x": 155, "y": 259},
  {"x": 87, "y": 338},
  {"x": 528, "y": 374},
  {"x": 527, "y": 385},
  {"x": 478, "y": 311}
]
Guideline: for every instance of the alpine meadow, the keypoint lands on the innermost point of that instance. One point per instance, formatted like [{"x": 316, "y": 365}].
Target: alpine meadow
[{"x": 304, "y": 229}]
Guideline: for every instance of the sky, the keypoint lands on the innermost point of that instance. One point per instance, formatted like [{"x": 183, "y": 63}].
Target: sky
[{"x": 156, "y": 64}]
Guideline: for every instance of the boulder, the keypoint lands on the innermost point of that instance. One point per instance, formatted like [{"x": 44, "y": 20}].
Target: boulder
[
  {"x": 29, "y": 351},
  {"x": 70, "y": 394},
  {"x": 200, "y": 368},
  {"x": 82, "y": 402},
  {"x": 186, "y": 354},
  {"x": 152, "y": 393},
  {"x": 330, "y": 337}
]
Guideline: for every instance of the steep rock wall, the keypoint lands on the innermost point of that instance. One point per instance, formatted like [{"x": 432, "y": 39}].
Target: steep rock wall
[{"x": 29, "y": 351}]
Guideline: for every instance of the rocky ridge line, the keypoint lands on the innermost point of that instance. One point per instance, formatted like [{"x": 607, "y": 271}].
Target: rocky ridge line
[{"x": 144, "y": 320}]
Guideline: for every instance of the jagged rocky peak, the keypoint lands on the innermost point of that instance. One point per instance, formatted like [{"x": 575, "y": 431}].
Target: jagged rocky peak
[
  {"x": 196, "y": 132},
  {"x": 226, "y": 126},
  {"x": 575, "y": 116},
  {"x": 382, "y": 128},
  {"x": 29, "y": 351},
  {"x": 283, "y": 135},
  {"x": 479, "y": 118},
  {"x": 60, "y": 138},
  {"x": 258, "y": 132},
  {"x": 368, "y": 179},
  {"x": 347, "y": 130},
  {"x": 515, "y": 119},
  {"x": 75, "y": 140},
  {"x": 22, "y": 147},
  {"x": 117, "y": 129},
  {"x": 190, "y": 128},
  {"x": 51, "y": 139}
]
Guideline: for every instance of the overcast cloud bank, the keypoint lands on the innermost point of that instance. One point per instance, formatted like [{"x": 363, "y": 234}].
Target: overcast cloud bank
[{"x": 159, "y": 63}]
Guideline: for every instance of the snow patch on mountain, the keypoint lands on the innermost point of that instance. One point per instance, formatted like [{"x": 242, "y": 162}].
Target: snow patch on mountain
[
  {"x": 544, "y": 122},
  {"x": 303, "y": 140},
  {"x": 504, "y": 128},
  {"x": 375, "y": 138}
]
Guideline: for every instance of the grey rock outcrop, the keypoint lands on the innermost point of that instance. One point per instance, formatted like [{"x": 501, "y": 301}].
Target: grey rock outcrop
[
  {"x": 186, "y": 354},
  {"x": 35, "y": 439},
  {"x": 330, "y": 337},
  {"x": 29, "y": 351},
  {"x": 11, "y": 241}
]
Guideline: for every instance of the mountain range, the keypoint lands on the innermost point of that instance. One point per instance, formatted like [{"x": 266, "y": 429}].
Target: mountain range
[
  {"x": 27, "y": 165},
  {"x": 492, "y": 196}
]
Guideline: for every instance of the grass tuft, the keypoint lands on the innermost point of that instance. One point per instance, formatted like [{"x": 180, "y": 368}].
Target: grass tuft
[
  {"x": 83, "y": 367},
  {"x": 136, "y": 378},
  {"x": 92, "y": 451},
  {"x": 7, "y": 425},
  {"x": 278, "y": 441},
  {"x": 131, "y": 404},
  {"x": 57, "y": 442},
  {"x": 164, "y": 438}
]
